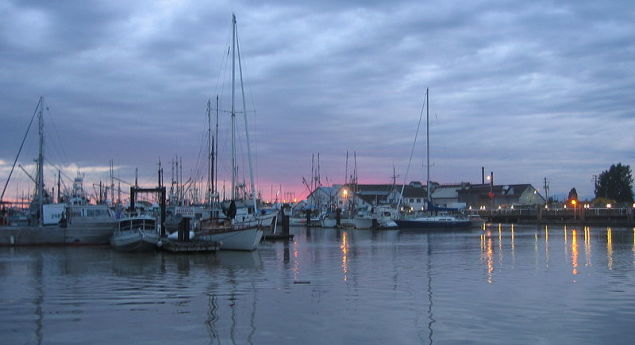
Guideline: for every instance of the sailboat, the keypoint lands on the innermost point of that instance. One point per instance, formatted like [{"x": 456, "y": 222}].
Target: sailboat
[
  {"x": 441, "y": 220},
  {"x": 242, "y": 228}
]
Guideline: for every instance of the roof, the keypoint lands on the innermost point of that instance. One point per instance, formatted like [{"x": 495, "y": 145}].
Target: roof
[
  {"x": 413, "y": 192},
  {"x": 509, "y": 190}
]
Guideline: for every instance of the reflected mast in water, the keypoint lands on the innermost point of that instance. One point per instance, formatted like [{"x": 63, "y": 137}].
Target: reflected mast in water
[{"x": 431, "y": 319}]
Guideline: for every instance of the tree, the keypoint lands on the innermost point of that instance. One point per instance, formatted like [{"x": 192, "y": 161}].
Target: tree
[{"x": 615, "y": 183}]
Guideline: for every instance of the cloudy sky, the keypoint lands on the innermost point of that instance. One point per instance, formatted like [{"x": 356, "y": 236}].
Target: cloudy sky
[{"x": 527, "y": 89}]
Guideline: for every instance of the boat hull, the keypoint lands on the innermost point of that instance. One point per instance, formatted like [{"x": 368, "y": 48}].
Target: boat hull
[
  {"x": 356, "y": 223},
  {"x": 137, "y": 241},
  {"x": 244, "y": 239},
  {"x": 432, "y": 225},
  {"x": 93, "y": 234}
]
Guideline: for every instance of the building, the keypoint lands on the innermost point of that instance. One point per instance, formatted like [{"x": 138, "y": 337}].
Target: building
[
  {"x": 459, "y": 196},
  {"x": 494, "y": 196}
]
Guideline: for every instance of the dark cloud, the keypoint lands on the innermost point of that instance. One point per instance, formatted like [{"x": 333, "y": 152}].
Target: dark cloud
[{"x": 529, "y": 90}]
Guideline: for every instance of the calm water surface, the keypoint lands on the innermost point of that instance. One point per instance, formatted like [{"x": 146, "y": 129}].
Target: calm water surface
[{"x": 501, "y": 285}]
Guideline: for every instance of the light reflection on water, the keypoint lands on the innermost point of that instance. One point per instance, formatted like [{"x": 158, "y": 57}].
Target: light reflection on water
[{"x": 503, "y": 284}]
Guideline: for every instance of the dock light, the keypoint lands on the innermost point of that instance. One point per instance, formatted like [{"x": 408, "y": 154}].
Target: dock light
[
  {"x": 564, "y": 206},
  {"x": 634, "y": 205},
  {"x": 609, "y": 205},
  {"x": 546, "y": 207},
  {"x": 345, "y": 193},
  {"x": 512, "y": 207},
  {"x": 574, "y": 202}
]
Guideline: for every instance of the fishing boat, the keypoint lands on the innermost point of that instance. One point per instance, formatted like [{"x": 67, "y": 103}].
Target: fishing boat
[
  {"x": 241, "y": 227},
  {"x": 436, "y": 218},
  {"x": 73, "y": 221},
  {"x": 135, "y": 233}
]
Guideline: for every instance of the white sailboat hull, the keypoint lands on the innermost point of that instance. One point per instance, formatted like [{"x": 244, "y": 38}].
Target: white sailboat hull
[{"x": 247, "y": 239}]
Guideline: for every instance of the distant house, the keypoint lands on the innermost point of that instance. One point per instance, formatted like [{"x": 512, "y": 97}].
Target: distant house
[
  {"x": 414, "y": 195},
  {"x": 447, "y": 195},
  {"x": 362, "y": 195},
  {"x": 322, "y": 197},
  {"x": 478, "y": 195}
]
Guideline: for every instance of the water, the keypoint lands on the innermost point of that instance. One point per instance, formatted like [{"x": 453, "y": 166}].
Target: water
[{"x": 502, "y": 285}]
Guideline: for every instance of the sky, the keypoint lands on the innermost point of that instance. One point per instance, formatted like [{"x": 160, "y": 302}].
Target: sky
[{"x": 527, "y": 90}]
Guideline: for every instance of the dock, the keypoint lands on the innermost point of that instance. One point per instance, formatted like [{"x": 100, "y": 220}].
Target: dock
[{"x": 579, "y": 215}]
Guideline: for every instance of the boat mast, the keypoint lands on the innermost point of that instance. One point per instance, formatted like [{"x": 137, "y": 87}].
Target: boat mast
[
  {"x": 233, "y": 112},
  {"x": 254, "y": 195},
  {"x": 215, "y": 158},
  {"x": 428, "y": 144},
  {"x": 208, "y": 197},
  {"x": 40, "y": 164}
]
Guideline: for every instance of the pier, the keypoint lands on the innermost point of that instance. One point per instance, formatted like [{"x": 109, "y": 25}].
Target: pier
[{"x": 579, "y": 215}]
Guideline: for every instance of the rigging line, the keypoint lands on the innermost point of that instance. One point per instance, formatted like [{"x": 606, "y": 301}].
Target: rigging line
[
  {"x": 58, "y": 167},
  {"x": 412, "y": 151},
  {"x": 58, "y": 146},
  {"x": 39, "y": 103}
]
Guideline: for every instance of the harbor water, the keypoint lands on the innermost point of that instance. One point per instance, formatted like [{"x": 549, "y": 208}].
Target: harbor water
[{"x": 500, "y": 285}]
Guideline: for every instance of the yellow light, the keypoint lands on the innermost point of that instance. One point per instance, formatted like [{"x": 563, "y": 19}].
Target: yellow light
[
  {"x": 574, "y": 202},
  {"x": 345, "y": 193}
]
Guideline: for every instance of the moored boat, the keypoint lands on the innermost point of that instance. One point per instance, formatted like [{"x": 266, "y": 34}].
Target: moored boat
[
  {"x": 135, "y": 234},
  {"x": 242, "y": 232},
  {"x": 434, "y": 222}
]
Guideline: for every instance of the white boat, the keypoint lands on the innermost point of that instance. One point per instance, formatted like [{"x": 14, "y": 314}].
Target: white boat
[
  {"x": 135, "y": 234},
  {"x": 242, "y": 232}
]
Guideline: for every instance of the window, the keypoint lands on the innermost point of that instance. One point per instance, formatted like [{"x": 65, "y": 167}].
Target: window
[{"x": 419, "y": 201}]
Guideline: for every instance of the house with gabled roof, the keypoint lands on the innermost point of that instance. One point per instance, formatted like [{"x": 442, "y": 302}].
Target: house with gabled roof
[{"x": 479, "y": 195}]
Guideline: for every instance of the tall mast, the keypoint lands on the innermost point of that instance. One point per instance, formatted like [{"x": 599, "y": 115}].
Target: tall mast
[
  {"x": 233, "y": 113},
  {"x": 254, "y": 194},
  {"x": 428, "y": 143},
  {"x": 215, "y": 158},
  {"x": 208, "y": 195},
  {"x": 40, "y": 164}
]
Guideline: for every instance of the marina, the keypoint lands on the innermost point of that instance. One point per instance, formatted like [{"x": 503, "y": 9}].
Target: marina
[
  {"x": 317, "y": 173},
  {"x": 505, "y": 284}
]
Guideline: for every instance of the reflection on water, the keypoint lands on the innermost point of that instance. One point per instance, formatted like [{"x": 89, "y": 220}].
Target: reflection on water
[
  {"x": 502, "y": 284},
  {"x": 344, "y": 248},
  {"x": 574, "y": 252},
  {"x": 609, "y": 247}
]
